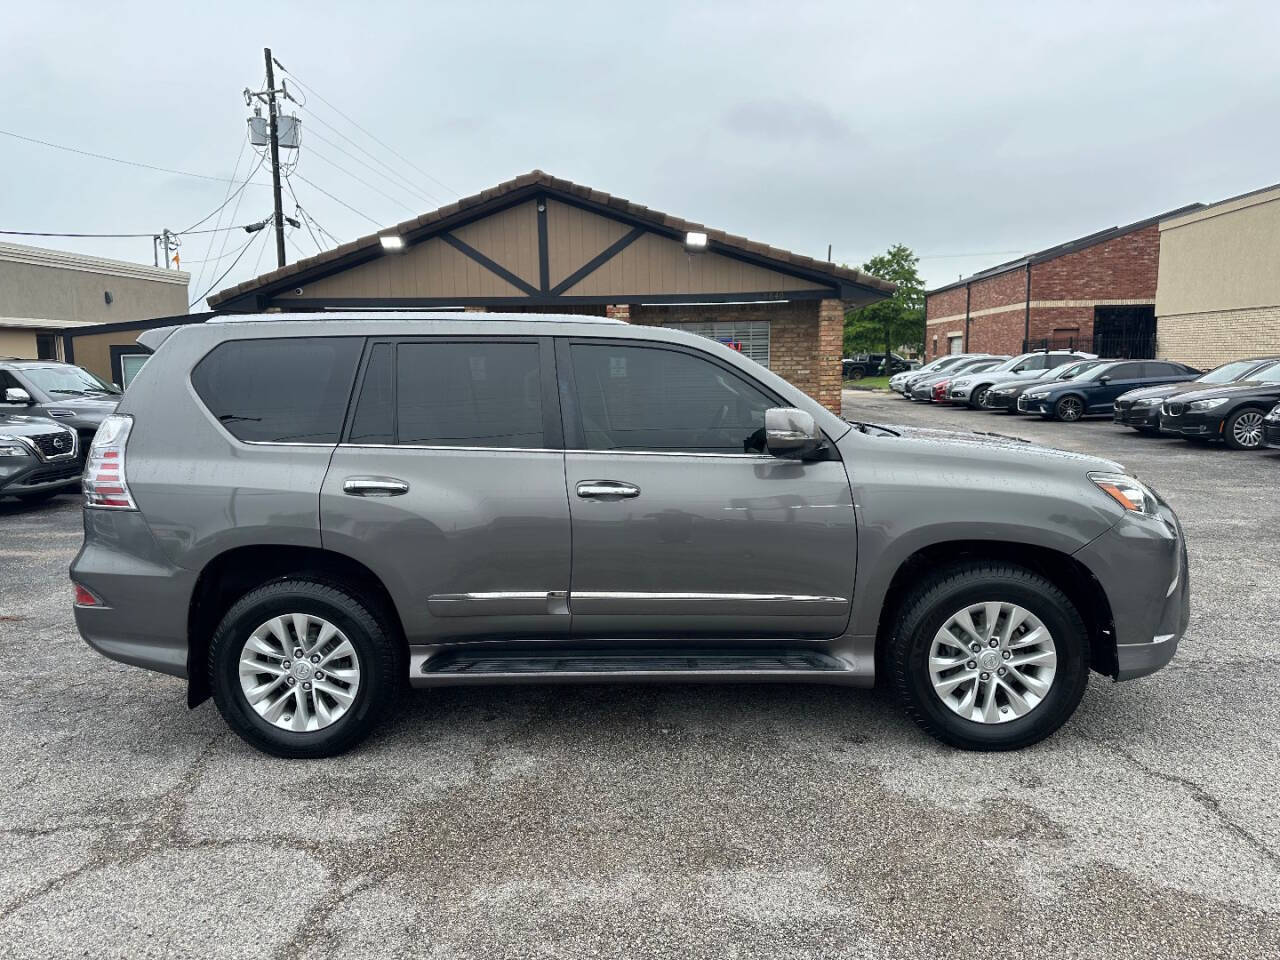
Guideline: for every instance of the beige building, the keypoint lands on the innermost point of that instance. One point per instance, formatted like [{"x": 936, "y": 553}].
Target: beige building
[
  {"x": 47, "y": 295},
  {"x": 1218, "y": 293}
]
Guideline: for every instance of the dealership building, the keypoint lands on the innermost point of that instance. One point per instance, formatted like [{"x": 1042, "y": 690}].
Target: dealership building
[{"x": 1096, "y": 293}]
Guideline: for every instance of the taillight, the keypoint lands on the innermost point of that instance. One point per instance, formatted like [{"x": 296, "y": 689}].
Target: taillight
[
  {"x": 104, "y": 477},
  {"x": 84, "y": 598}
]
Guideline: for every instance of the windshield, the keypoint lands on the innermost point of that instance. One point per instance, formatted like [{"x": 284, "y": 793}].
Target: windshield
[
  {"x": 1074, "y": 370},
  {"x": 1269, "y": 374},
  {"x": 1229, "y": 371},
  {"x": 67, "y": 381},
  {"x": 1005, "y": 365}
]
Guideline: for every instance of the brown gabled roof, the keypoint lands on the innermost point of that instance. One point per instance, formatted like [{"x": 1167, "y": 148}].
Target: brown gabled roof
[{"x": 360, "y": 249}]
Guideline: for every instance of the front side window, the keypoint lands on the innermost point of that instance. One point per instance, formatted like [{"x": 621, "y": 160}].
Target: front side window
[
  {"x": 653, "y": 399},
  {"x": 287, "y": 390}
]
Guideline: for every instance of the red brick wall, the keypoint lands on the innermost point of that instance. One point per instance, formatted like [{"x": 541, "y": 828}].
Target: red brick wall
[
  {"x": 945, "y": 304},
  {"x": 805, "y": 338},
  {"x": 1123, "y": 268}
]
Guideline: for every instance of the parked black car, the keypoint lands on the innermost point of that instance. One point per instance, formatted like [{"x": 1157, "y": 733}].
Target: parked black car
[
  {"x": 1095, "y": 390},
  {"x": 1232, "y": 413},
  {"x": 1003, "y": 395},
  {"x": 38, "y": 458},
  {"x": 1271, "y": 429},
  {"x": 1140, "y": 409},
  {"x": 873, "y": 365}
]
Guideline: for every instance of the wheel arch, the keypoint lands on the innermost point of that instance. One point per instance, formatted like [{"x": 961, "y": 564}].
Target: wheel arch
[
  {"x": 233, "y": 573},
  {"x": 1069, "y": 574}
]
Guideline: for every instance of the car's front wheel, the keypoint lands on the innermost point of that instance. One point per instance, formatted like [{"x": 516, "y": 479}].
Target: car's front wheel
[
  {"x": 1069, "y": 409},
  {"x": 303, "y": 669},
  {"x": 978, "y": 397},
  {"x": 1243, "y": 429},
  {"x": 988, "y": 656}
]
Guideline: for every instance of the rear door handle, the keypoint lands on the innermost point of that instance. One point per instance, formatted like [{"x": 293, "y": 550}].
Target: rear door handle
[
  {"x": 374, "y": 487},
  {"x": 607, "y": 490}
]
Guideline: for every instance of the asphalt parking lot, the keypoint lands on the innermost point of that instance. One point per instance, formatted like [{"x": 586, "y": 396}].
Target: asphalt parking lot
[{"x": 674, "y": 821}]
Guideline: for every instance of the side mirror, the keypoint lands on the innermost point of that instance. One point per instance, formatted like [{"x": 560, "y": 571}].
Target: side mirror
[
  {"x": 17, "y": 395},
  {"x": 1104, "y": 379},
  {"x": 791, "y": 433}
]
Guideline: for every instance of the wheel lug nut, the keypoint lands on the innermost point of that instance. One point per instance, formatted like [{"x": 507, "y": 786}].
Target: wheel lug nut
[
  {"x": 319, "y": 674},
  {"x": 306, "y": 685},
  {"x": 297, "y": 653},
  {"x": 993, "y": 642},
  {"x": 975, "y": 647},
  {"x": 315, "y": 658},
  {"x": 972, "y": 665},
  {"x": 291, "y": 681},
  {"x": 286, "y": 664},
  {"x": 1002, "y": 671},
  {"x": 984, "y": 675},
  {"x": 1006, "y": 654}
]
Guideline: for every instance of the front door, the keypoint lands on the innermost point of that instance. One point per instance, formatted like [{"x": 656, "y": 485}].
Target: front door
[
  {"x": 1121, "y": 378},
  {"x": 449, "y": 485},
  {"x": 682, "y": 526}
]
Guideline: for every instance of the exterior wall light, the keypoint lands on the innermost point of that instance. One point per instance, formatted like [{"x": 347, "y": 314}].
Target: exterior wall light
[
  {"x": 695, "y": 242},
  {"x": 392, "y": 242}
]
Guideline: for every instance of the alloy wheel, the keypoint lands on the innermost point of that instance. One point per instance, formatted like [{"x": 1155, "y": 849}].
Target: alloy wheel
[
  {"x": 299, "y": 672},
  {"x": 992, "y": 662},
  {"x": 1247, "y": 430},
  {"x": 1070, "y": 409},
  {"x": 980, "y": 396}
]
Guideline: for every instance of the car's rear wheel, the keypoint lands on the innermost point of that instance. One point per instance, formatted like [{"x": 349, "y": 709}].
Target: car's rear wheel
[
  {"x": 857, "y": 373},
  {"x": 303, "y": 669},
  {"x": 1243, "y": 429},
  {"x": 988, "y": 656},
  {"x": 1069, "y": 409}
]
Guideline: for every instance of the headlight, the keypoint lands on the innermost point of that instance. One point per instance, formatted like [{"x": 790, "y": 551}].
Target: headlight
[
  {"x": 963, "y": 382},
  {"x": 1209, "y": 404},
  {"x": 1275, "y": 413},
  {"x": 1127, "y": 491},
  {"x": 1038, "y": 395},
  {"x": 13, "y": 447},
  {"x": 1149, "y": 402}
]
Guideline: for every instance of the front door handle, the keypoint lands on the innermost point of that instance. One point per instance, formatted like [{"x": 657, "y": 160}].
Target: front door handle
[
  {"x": 374, "y": 487},
  {"x": 607, "y": 490}
]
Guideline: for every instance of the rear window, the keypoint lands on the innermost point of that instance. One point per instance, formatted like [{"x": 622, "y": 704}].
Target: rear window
[{"x": 289, "y": 390}]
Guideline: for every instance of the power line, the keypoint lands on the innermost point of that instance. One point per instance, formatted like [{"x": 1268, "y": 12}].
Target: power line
[
  {"x": 336, "y": 200},
  {"x": 248, "y": 243},
  {"x": 186, "y": 233},
  {"x": 129, "y": 163},
  {"x": 303, "y": 216},
  {"x": 321, "y": 98},
  {"x": 226, "y": 195},
  {"x": 321, "y": 156},
  {"x": 226, "y": 199},
  {"x": 398, "y": 181}
]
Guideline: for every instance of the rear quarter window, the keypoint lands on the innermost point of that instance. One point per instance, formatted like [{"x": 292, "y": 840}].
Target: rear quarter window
[{"x": 287, "y": 390}]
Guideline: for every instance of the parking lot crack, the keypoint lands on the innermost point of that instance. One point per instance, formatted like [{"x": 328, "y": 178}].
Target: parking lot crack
[{"x": 1202, "y": 796}]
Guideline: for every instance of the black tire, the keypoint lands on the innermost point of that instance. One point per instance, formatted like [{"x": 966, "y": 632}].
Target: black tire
[
  {"x": 937, "y": 598},
  {"x": 1254, "y": 435},
  {"x": 977, "y": 395},
  {"x": 40, "y": 497},
  {"x": 381, "y": 659},
  {"x": 857, "y": 373},
  {"x": 1069, "y": 409}
]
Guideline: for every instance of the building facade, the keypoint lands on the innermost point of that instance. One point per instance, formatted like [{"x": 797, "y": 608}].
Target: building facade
[
  {"x": 45, "y": 294},
  {"x": 541, "y": 244},
  {"x": 1219, "y": 293},
  {"x": 1097, "y": 293}
]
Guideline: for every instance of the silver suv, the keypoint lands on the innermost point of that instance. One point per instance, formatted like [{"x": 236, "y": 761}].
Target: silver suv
[{"x": 300, "y": 515}]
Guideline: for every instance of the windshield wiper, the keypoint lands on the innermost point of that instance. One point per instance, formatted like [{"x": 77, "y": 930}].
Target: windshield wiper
[
  {"x": 860, "y": 425},
  {"x": 233, "y": 418},
  {"x": 74, "y": 393}
]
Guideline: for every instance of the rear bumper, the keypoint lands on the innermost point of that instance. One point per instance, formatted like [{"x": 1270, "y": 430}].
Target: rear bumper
[
  {"x": 145, "y": 598},
  {"x": 1141, "y": 564}
]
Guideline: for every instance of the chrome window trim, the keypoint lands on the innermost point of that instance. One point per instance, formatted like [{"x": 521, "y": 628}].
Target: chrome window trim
[
  {"x": 437, "y": 446},
  {"x": 621, "y": 453},
  {"x": 735, "y": 597}
]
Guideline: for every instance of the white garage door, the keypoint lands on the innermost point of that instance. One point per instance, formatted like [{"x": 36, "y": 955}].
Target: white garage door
[{"x": 749, "y": 336}]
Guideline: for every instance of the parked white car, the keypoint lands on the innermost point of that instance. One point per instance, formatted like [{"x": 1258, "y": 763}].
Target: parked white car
[{"x": 972, "y": 389}]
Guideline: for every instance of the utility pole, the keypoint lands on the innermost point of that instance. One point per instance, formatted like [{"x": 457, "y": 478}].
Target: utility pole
[{"x": 275, "y": 157}]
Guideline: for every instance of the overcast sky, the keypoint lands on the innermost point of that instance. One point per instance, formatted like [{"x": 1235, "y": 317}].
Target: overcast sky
[{"x": 970, "y": 134}]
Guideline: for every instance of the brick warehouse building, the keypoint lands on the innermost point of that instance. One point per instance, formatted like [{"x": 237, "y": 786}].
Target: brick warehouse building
[
  {"x": 1097, "y": 293},
  {"x": 545, "y": 245}
]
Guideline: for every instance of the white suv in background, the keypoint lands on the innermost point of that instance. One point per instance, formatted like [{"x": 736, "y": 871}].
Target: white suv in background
[{"x": 972, "y": 389}]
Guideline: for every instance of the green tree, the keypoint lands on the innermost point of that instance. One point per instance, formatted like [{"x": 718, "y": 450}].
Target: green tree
[{"x": 897, "y": 321}]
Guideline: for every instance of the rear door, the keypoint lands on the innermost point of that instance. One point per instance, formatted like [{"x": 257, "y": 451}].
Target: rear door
[
  {"x": 682, "y": 526},
  {"x": 449, "y": 485}
]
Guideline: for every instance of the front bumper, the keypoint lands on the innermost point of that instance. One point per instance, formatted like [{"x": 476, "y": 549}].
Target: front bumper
[
  {"x": 1141, "y": 564},
  {"x": 1271, "y": 434},
  {"x": 1190, "y": 423},
  {"x": 21, "y": 475},
  {"x": 1032, "y": 406},
  {"x": 1000, "y": 401},
  {"x": 959, "y": 394},
  {"x": 1130, "y": 416}
]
